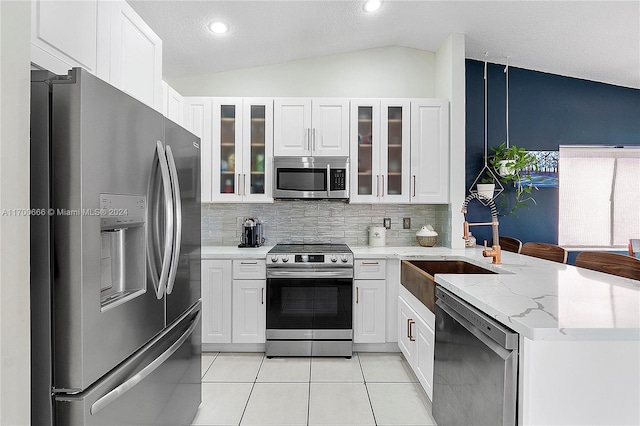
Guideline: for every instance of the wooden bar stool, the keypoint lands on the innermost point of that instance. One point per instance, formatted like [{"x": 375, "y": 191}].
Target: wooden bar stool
[
  {"x": 610, "y": 263},
  {"x": 513, "y": 245},
  {"x": 545, "y": 251}
]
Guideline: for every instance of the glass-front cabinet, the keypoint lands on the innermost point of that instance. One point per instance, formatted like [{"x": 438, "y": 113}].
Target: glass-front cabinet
[
  {"x": 242, "y": 149},
  {"x": 380, "y": 137}
]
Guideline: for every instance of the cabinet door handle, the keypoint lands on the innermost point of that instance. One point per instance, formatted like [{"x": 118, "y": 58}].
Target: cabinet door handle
[
  {"x": 409, "y": 331},
  {"x": 369, "y": 263},
  {"x": 414, "y": 185},
  {"x": 308, "y": 139},
  {"x": 357, "y": 291},
  {"x": 382, "y": 180},
  {"x": 238, "y": 187},
  {"x": 249, "y": 263},
  {"x": 244, "y": 184},
  {"x": 377, "y": 185},
  {"x": 262, "y": 296},
  {"x": 314, "y": 140}
]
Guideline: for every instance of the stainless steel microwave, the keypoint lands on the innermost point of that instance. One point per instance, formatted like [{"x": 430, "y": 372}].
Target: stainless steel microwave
[{"x": 311, "y": 177}]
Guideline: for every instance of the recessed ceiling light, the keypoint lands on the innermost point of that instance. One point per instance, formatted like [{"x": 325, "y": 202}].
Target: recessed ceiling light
[
  {"x": 372, "y": 5},
  {"x": 218, "y": 27}
]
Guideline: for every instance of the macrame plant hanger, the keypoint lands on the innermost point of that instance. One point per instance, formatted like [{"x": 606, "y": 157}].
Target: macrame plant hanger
[{"x": 487, "y": 171}]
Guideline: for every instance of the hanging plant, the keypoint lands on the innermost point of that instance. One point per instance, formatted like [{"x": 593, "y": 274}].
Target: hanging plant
[{"x": 515, "y": 165}]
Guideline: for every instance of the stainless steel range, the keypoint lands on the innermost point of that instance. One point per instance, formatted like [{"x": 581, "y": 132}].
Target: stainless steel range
[{"x": 309, "y": 300}]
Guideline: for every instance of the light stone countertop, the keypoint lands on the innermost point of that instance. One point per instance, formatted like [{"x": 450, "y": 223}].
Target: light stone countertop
[
  {"x": 539, "y": 299},
  {"x": 235, "y": 252}
]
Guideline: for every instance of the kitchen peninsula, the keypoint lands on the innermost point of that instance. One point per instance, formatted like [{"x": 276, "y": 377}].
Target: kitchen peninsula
[{"x": 579, "y": 329}]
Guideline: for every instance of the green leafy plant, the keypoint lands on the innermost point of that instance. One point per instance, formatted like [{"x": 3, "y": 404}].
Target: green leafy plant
[{"x": 514, "y": 166}]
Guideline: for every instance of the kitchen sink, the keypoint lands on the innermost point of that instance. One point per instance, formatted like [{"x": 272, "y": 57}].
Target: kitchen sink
[{"x": 417, "y": 276}]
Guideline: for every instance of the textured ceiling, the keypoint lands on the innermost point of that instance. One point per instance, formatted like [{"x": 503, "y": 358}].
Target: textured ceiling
[{"x": 597, "y": 41}]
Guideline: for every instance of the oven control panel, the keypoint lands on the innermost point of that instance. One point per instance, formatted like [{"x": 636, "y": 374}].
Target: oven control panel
[{"x": 345, "y": 259}]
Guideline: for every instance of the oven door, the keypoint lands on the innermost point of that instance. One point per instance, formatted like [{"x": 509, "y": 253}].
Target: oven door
[{"x": 298, "y": 303}]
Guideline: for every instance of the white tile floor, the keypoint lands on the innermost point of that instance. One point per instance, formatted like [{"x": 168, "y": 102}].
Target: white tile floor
[{"x": 368, "y": 389}]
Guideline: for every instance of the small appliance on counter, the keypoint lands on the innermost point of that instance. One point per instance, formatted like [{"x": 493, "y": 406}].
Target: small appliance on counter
[
  {"x": 252, "y": 233},
  {"x": 377, "y": 236}
]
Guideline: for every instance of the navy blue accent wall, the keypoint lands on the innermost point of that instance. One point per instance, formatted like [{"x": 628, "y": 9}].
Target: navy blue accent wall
[{"x": 545, "y": 111}]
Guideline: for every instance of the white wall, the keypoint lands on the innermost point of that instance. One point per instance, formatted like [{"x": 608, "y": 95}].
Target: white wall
[
  {"x": 386, "y": 72},
  {"x": 450, "y": 83},
  {"x": 14, "y": 230}
]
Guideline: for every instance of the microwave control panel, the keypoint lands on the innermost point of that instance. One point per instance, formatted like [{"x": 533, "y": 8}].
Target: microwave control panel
[{"x": 338, "y": 180}]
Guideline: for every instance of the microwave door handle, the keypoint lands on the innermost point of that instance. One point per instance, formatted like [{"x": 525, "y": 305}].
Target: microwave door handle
[{"x": 328, "y": 180}]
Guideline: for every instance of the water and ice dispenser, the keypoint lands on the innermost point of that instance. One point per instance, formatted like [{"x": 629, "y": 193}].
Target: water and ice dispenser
[{"x": 123, "y": 255}]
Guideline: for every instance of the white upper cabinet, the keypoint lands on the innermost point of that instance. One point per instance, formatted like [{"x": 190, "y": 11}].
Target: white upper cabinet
[
  {"x": 198, "y": 120},
  {"x": 429, "y": 151},
  {"x": 107, "y": 38},
  {"x": 311, "y": 127},
  {"x": 130, "y": 54},
  {"x": 172, "y": 104},
  {"x": 64, "y": 35},
  {"x": 380, "y": 138},
  {"x": 242, "y": 148},
  {"x": 330, "y": 127}
]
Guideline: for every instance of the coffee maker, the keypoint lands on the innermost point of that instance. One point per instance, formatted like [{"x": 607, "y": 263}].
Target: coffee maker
[{"x": 251, "y": 234}]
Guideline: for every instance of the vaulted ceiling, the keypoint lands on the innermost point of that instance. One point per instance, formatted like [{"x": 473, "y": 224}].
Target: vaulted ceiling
[{"x": 597, "y": 40}]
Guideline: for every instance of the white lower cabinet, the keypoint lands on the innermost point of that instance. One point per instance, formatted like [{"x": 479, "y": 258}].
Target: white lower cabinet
[
  {"x": 249, "y": 311},
  {"x": 369, "y": 311},
  {"x": 369, "y": 301},
  {"x": 416, "y": 337},
  {"x": 233, "y": 301},
  {"x": 216, "y": 301},
  {"x": 249, "y": 317}
]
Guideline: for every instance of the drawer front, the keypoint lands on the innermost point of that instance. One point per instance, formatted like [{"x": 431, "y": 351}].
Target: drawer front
[
  {"x": 370, "y": 269},
  {"x": 249, "y": 269}
]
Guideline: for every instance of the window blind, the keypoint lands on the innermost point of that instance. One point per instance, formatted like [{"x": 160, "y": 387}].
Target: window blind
[{"x": 599, "y": 196}]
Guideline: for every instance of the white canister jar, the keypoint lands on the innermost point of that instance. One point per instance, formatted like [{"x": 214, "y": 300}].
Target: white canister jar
[{"x": 377, "y": 236}]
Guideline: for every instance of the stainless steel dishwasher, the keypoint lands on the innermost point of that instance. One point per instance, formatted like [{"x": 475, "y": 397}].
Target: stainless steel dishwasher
[{"x": 475, "y": 374}]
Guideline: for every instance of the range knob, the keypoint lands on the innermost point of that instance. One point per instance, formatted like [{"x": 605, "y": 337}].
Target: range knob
[
  {"x": 334, "y": 259},
  {"x": 344, "y": 259},
  {"x": 285, "y": 259},
  {"x": 274, "y": 259}
]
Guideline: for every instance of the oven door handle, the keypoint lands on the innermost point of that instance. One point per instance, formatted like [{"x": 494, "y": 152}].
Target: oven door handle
[{"x": 309, "y": 273}]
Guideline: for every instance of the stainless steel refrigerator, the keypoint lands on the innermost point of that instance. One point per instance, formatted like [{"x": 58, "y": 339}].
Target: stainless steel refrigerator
[{"x": 115, "y": 258}]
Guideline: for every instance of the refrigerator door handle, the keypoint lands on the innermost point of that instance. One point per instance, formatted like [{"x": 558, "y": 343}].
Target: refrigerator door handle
[
  {"x": 177, "y": 205},
  {"x": 160, "y": 282},
  {"x": 116, "y": 393}
]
